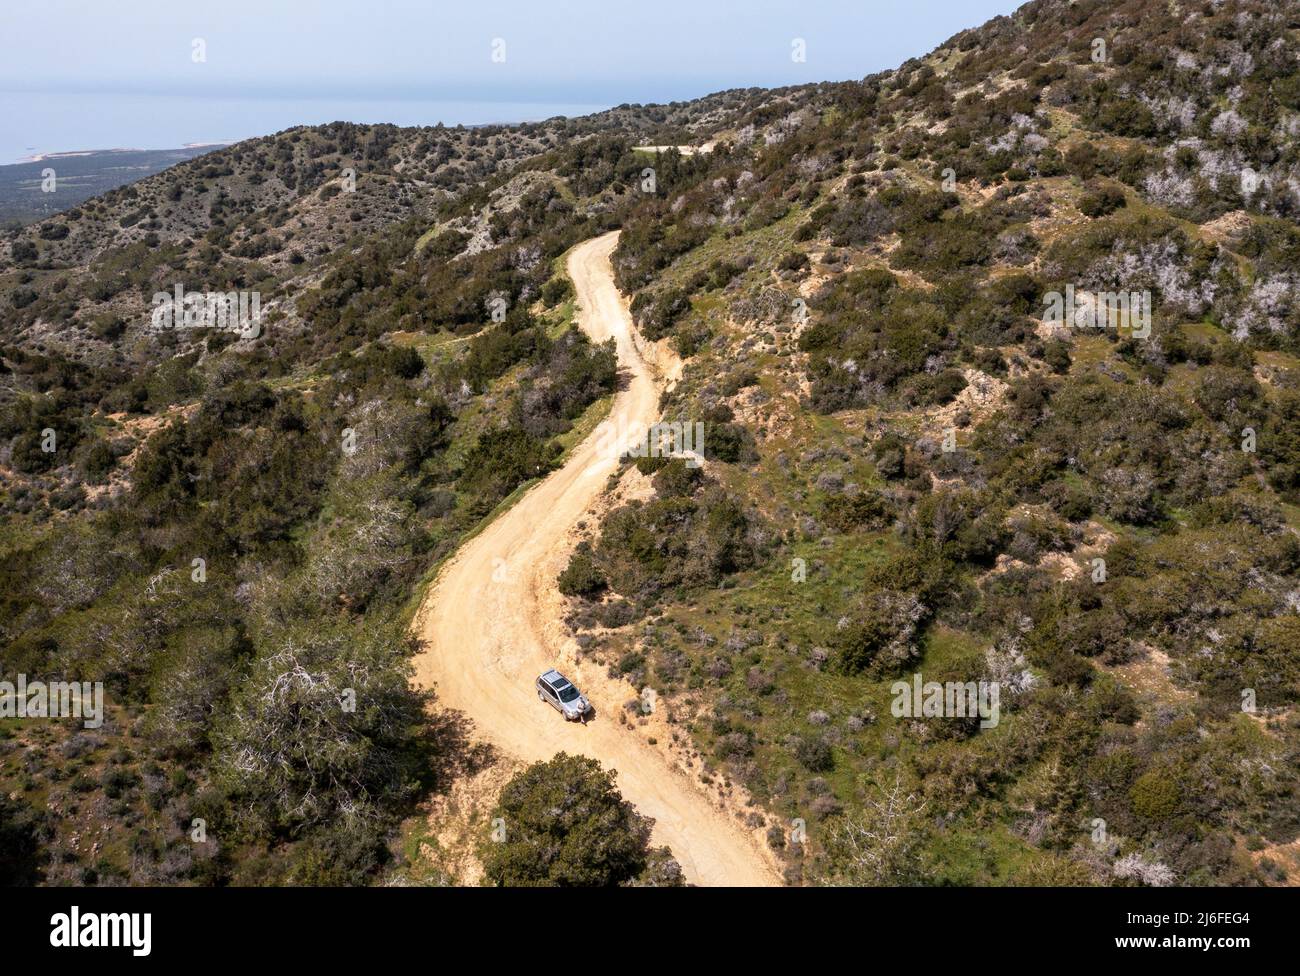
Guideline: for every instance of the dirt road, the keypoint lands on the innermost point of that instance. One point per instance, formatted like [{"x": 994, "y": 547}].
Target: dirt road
[{"x": 490, "y": 624}]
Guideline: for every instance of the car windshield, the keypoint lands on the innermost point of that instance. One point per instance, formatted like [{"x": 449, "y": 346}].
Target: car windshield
[{"x": 568, "y": 694}]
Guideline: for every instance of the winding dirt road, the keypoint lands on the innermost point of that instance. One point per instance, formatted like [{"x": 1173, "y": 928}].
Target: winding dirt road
[{"x": 490, "y": 623}]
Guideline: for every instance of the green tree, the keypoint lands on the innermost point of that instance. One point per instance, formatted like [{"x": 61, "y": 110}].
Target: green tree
[
  {"x": 19, "y": 847},
  {"x": 565, "y": 824},
  {"x": 501, "y": 460},
  {"x": 582, "y": 577}
]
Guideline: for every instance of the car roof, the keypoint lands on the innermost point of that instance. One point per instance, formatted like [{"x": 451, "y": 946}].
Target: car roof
[{"x": 553, "y": 677}]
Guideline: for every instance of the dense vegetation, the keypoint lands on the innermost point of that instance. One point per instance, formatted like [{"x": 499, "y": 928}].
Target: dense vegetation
[
  {"x": 937, "y": 481},
  {"x": 243, "y": 527},
  {"x": 563, "y": 823},
  {"x": 907, "y": 470}
]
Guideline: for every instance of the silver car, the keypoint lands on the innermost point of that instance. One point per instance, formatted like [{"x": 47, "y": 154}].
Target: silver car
[{"x": 558, "y": 691}]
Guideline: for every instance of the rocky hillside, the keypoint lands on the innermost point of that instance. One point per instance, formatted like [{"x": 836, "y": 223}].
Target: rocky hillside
[
  {"x": 193, "y": 516},
  {"x": 915, "y": 469},
  {"x": 268, "y": 212}
]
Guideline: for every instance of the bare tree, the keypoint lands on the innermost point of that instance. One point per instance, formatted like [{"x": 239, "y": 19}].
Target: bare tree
[{"x": 880, "y": 847}]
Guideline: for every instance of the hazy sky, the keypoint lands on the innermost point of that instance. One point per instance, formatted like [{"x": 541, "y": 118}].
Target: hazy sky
[{"x": 561, "y": 50}]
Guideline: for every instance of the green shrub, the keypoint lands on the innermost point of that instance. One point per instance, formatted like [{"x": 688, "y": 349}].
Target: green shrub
[
  {"x": 501, "y": 460},
  {"x": 581, "y": 577},
  {"x": 814, "y": 753},
  {"x": 556, "y": 291},
  {"x": 566, "y": 824},
  {"x": 1156, "y": 796},
  {"x": 846, "y": 512},
  {"x": 1100, "y": 200}
]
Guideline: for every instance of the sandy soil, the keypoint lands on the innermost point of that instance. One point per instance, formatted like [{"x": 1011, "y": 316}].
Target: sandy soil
[
  {"x": 684, "y": 150},
  {"x": 489, "y": 623}
]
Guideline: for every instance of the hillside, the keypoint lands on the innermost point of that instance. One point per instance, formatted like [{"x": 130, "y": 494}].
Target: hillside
[
  {"x": 938, "y": 479},
  {"x": 909, "y": 467},
  {"x": 26, "y": 195}
]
